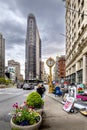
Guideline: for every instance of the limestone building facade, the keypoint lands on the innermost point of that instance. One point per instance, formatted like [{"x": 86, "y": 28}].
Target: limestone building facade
[
  {"x": 16, "y": 65},
  {"x": 76, "y": 41}
]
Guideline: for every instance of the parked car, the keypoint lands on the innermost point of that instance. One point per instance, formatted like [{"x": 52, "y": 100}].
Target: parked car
[
  {"x": 26, "y": 86},
  {"x": 31, "y": 85},
  {"x": 19, "y": 85}
]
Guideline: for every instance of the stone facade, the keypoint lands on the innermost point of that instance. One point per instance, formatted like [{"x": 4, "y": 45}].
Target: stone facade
[
  {"x": 76, "y": 41},
  {"x": 16, "y": 65}
]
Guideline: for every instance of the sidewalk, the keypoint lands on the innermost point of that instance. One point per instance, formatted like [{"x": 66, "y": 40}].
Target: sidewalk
[
  {"x": 57, "y": 98},
  {"x": 79, "y": 104},
  {"x": 55, "y": 118}
]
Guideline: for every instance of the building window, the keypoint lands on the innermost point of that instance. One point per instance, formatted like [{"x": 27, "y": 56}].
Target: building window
[
  {"x": 73, "y": 78},
  {"x": 31, "y": 21},
  {"x": 74, "y": 16},
  {"x": 74, "y": 25},
  {"x": 78, "y": 12},
  {"x": 82, "y": 4},
  {"x": 83, "y": 28},
  {"x": 79, "y": 24},
  {"x": 79, "y": 76},
  {"x": 78, "y": 2},
  {"x": 74, "y": 35},
  {"x": 82, "y": 16}
]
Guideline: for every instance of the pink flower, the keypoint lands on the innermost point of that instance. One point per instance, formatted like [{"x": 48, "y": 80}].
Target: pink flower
[
  {"x": 31, "y": 107},
  {"x": 15, "y": 105}
]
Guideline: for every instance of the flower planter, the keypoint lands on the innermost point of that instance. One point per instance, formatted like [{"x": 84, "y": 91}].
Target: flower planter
[
  {"x": 40, "y": 111},
  {"x": 28, "y": 127}
]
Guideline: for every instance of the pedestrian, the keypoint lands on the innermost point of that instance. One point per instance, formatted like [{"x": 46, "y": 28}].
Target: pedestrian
[
  {"x": 43, "y": 89},
  {"x": 64, "y": 90},
  {"x": 40, "y": 90}
]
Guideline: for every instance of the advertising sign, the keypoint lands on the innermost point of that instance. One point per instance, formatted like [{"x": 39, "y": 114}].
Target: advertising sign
[
  {"x": 68, "y": 105},
  {"x": 80, "y": 88}
]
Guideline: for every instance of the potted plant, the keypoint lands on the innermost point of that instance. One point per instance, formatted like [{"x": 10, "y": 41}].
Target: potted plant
[
  {"x": 24, "y": 118},
  {"x": 35, "y": 101}
]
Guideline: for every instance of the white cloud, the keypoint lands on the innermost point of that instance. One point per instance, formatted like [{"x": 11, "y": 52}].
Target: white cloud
[{"x": 50, "y": 18}]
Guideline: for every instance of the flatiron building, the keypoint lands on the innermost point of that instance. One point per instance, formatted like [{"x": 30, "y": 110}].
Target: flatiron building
[{"x": 33, "y": 50}]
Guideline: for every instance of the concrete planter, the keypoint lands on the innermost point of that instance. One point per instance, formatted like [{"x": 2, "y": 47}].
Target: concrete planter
[
  {"x": 30, "y": 127},
  {"x": 40, "y": 111}
]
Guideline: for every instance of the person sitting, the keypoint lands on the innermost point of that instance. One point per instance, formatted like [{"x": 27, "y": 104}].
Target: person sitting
[{"x": 58, "y": 91}]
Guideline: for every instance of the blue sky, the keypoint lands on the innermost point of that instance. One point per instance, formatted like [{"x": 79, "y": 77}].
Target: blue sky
[{"x": 50, "y": 18}]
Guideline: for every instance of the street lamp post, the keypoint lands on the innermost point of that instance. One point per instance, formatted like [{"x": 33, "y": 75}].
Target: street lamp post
[{"x": 50, "y": 62}]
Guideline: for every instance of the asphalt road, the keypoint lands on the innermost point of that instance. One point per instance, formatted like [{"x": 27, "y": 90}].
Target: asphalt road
[
  {"x": 8, "y": 97},
  {"x": 54, "y": 117}
]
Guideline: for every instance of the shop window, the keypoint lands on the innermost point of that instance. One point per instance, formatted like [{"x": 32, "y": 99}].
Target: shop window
[
  {"x": 82, "y": 16},
  {"x": 79, "y": 76}
]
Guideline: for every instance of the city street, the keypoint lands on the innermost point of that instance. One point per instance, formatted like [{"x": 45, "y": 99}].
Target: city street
[
  {"x": 43, "y": 49},
  {"x": 54, "y": 117},
  {"x": 8, "y": 97}
]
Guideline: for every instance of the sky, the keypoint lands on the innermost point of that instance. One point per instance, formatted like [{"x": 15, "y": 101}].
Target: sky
[{"x": 50, "y": 19}]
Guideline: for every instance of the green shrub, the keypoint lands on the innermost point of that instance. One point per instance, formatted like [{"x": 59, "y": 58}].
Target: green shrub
[
  {"x": 34, "y": 100},
  {"x": 7, "y": 82},
  {"x": 4, "y": 81}
]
